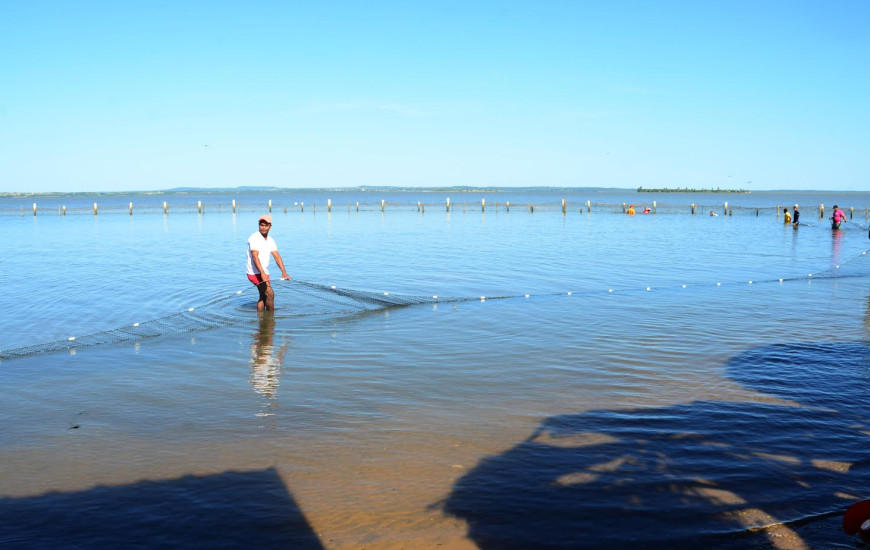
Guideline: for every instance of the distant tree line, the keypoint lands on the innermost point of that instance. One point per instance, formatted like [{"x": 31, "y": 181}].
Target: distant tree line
[{"x": 690, "y": 190}]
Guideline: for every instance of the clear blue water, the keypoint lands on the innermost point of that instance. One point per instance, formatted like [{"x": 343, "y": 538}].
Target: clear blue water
[{"x": 722, "y": 404}]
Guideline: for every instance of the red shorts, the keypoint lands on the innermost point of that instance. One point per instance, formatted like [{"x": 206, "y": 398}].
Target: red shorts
[{"x": 256, "y": 279}]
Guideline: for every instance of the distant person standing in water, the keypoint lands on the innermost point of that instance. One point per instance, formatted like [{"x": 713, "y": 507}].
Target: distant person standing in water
[
  {"x": 838, "y": 218},
  {"x": 796, "y": 215},
  {"x": 786, "y": 216},
  {"x": 260, "y": 248}
]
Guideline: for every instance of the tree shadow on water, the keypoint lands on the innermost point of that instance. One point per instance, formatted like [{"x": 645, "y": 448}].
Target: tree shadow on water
[
  {"x": 695, "y": 475},
  {"x": 229, "y": 510}
]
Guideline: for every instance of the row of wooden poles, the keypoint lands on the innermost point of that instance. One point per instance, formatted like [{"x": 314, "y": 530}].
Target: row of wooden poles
[
  {"x": 779, "y": 210},
  {"x": 421, "y": 207}
]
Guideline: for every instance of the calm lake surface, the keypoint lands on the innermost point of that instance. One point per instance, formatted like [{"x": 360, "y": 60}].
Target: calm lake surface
[{"x": 674, "y": 380}]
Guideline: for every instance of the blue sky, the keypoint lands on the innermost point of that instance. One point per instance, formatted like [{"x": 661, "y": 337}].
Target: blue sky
[{"x": 140, "y": 95}]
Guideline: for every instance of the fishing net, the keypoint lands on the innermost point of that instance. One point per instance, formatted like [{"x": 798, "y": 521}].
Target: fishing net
[
  {"x": 297, "y": 298},
  {"x": 301, "y": 298}
]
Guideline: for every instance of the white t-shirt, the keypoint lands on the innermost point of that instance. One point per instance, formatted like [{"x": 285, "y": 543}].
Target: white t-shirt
[{"x": 264, "y": 248}]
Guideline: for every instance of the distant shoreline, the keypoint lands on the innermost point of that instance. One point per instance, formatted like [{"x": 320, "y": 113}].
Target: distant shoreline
[
  {"x": 256, "y": 189},
  {"x": 459, "y": 190}
]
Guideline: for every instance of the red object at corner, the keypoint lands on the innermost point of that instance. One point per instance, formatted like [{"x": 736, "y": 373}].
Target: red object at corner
[{"x": 856, "y": 520}]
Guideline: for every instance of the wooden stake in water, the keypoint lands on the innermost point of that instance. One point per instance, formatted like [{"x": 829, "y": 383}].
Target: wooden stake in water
[
  {"x": 448, "y": 204},
  {"x": 693, "y": 209},
  {"x": 199, "y": 206},
  {"x": 507, "y": 206},
  {"x": 564, "y": 206},
  {"x": 357, "y": 206},
  {"x": 131, "y": 208},
  {"x": 821, "y": 211},
  {"x": 482, "y": 205},
  {"x": 166, "y": 208},
  {"x": 270, "y": 206},
  {"x": 383, "y": 204},
  {"x": 726, "y": 208},
  {"x": 655, "y": 207},
  {"x": 588, "y": 206},
  {"x": 851, "y": 212},
  {"x": 329, "y": 205},
  {"x": 34, "y": 210},
  {"x": 234, "y": 206},
  {"x": 95, "y": 209},
  {"x": 64, "y": 210}
]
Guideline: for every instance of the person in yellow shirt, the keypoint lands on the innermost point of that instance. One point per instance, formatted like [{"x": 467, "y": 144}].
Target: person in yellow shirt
[
  {"x": 786, "y": 216},
  {"x": 630, "y": 210}
]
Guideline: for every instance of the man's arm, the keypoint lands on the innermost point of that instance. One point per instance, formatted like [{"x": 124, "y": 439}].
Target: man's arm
[
  {"x": 255, "y": 258},
  {"x": 280, "y": 263}
]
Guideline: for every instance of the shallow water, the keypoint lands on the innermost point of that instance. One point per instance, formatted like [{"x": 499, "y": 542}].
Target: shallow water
[{"x": 672, "y": 416}]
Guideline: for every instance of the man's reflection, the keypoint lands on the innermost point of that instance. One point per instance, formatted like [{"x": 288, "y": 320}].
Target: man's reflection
[
  {"x": 837, "y": 245},
  {"x": 867, "y": 315},
  {"x": 266, "y": 360}
]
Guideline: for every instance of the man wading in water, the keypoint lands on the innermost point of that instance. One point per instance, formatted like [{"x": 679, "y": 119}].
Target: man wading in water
[
  {"x": 838, "y": 218},
  {"x": 260, "y": 247}
]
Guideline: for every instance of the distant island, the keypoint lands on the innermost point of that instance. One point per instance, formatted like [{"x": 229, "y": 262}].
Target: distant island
[{"x": 688, "y": 190}]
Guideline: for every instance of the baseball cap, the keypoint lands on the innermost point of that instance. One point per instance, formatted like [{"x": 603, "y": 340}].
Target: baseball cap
[{"x": 266, "y": 217}]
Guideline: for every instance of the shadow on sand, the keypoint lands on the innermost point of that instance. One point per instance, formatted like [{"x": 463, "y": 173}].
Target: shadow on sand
[
  {"x": 227, "y": 510},
  {"x": 695, "y": 475}
]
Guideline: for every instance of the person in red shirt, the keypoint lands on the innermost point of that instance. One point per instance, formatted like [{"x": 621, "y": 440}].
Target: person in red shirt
[{"x": 838, "y": 217}]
